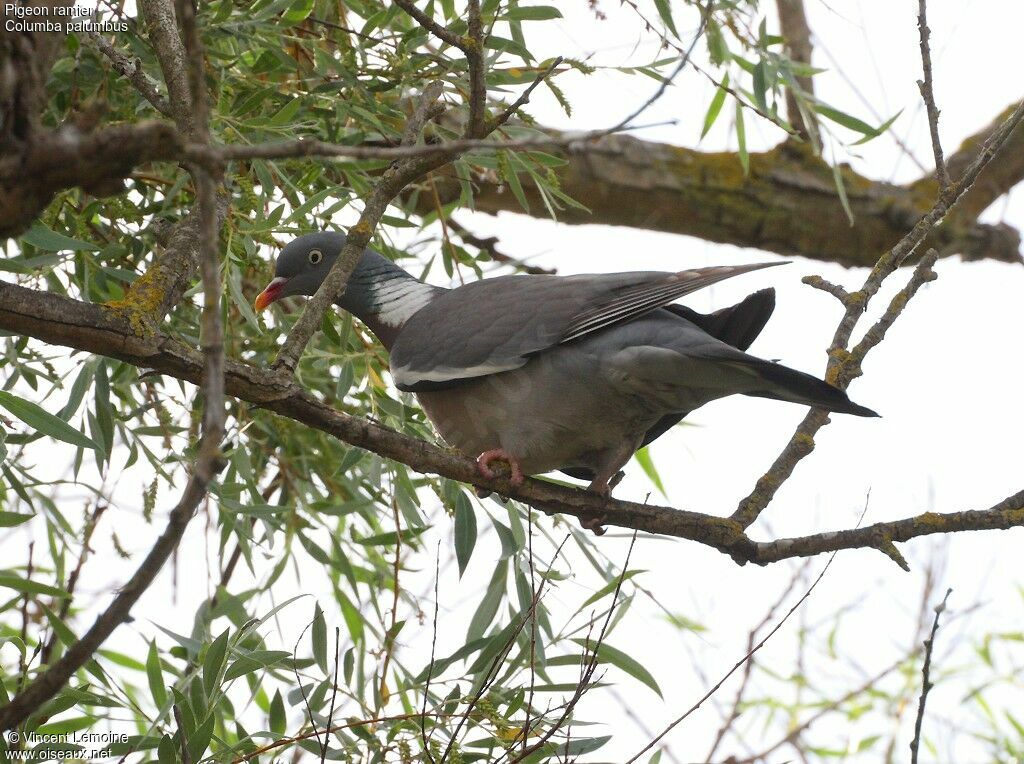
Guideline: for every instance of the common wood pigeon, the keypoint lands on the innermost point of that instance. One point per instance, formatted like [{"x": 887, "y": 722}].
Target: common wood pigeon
[{"x": 570, "y": 373}]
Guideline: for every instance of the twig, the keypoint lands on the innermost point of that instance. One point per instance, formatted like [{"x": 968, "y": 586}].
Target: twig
[
  {"x": 926, "y": 685},
  {"x": 928, "y": 94},
  {"x": 47, "y": 684},
  {"x": 489, "y": 246},
  {"x": 587, "y": 668},
  {"x": 430, "y": 666},
  {"x": 737, "y": 665},
  {"x": 842, "y": 367},
  {"x": 65, "y": 605},
  {"x": 131, "y": 69},
  {"x": 736, "y": 710},
  {"x": 492, "y": 670},
  {"x": 334, "y": 693}
]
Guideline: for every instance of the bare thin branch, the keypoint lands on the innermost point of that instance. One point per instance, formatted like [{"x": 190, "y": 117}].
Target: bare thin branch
[
  {"x": 928, "y": 94},
  {"x": 843, "y": 366},
  {"x": 750, "y": 654},
  {"x": 926, "y": 684}
]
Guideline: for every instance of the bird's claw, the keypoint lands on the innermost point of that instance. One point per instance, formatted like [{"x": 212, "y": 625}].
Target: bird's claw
[{"x": 483, "y": 465}]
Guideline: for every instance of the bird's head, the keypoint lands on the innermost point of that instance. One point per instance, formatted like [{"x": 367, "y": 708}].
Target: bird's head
[{"x": 302, "y": 266}]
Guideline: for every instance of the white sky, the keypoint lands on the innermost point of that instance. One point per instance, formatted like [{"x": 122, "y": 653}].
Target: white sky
[{"x": 946, "y": 381}]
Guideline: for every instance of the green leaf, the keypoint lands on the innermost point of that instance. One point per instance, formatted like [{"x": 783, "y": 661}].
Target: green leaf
[
  {"x": 277, "y": 717},
  {"x": 761, "y": 85},
  {"x": 155, "y": 677},
  {"x": 353, "y": 618},
  {"x": 254, "y": 661},
  {"x": 532, "y": 13},
  {"x": 716, "y": 106},
  {"x": 44, "y": 422},
  {"x": 608, "y": 588},
  {"x": 665, "y": 11},
  {"x": 319, "y": 637},
  {"x": 837, "y": 176},
  {"x": 214, "y": 662},
  {"x": 741, "y": 139},
  {"x": 11, "y": 519},
  {"x": 44, "y": 238},
  {"x": 483, "y": 618},
  {"x": 608, "y": 654},
  {"x": 465, "y": 531},
  {"x": 643, "y": 458},
  {"x": 19, "y": 584},
  {"x": 298, "y": 11}
]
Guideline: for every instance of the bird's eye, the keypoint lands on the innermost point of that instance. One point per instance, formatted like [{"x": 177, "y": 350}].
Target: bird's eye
[{"x": 315, "y": 256}]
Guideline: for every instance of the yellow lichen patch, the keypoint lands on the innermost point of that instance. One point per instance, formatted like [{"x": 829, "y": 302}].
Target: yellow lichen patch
[
  {"x": 141, "y": 303},
  {"x": 804, "y": 441}
]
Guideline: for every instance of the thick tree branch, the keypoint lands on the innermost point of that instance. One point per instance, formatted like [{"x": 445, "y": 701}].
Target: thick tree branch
[
  {"x": 93, "y": 328},
  {"x": 162, "y": 27}
]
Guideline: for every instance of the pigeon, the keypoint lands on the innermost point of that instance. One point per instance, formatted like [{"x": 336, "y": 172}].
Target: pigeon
[{"x": 545, "y": 372}]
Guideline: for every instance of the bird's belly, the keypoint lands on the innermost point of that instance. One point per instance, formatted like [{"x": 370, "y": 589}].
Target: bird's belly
[{"x": 539, "y": 415}]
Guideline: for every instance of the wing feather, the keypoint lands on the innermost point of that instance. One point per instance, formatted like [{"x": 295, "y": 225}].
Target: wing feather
[{"x": 496, "y": 325}]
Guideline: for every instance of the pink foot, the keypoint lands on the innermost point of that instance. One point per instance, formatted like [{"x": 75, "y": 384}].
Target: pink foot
[{"x": 483, "y": 464}]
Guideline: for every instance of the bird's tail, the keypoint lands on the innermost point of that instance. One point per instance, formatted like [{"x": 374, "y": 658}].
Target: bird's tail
[{"x": 794, "y": 386}]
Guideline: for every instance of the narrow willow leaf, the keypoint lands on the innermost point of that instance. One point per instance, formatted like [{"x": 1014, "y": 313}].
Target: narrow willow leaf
[
  {"x": 44, "y": 422},
  {"x": 837, "y": 176},
  {"x": 16, "y": 582},
  {"x": 741, "y": 139},
  {"x": 665, "y": 11},
  {"x": 532, "y": 13},
  {"x": 214, "y": 662},
  {"x": 44, "y": 238},
  {"x": 318, "y": 636},
  {"x": 277, "y": 716},
  {"x": 643, "y": 458},
  {"x": 716, "y": 106},
  {"x": 155, "y": 677},
  {"x": 483, "y": 618},
  {"x": 10, "y": 519},
  {"x": 465, "y": 531},
  {"x": 608, "y": 654}
]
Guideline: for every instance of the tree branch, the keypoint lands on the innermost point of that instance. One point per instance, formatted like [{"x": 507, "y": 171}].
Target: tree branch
[
  {"x": 797, "y": 33},
  {"x": 844, "y": 366},
  {"x": 928, "y": 94},
  {"x": 131, "y": 69},
  {"x": 926, "y": 684},
  {"x": 93, "y": 328},
  {"x": 161, "y": 24}
]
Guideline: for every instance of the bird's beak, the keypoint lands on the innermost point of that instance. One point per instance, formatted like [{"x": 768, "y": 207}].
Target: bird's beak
[{"x": 271, "y": 293}]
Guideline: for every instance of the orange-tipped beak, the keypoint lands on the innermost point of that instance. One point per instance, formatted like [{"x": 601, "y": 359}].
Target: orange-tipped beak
[{"x": 271, "y": 293}]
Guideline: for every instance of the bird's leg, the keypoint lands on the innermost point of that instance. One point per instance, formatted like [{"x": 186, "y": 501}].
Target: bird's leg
[{"x": 483, "y": 465}]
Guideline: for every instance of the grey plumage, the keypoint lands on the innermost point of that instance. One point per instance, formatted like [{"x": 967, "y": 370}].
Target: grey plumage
[{"x": 571, "y": 373}]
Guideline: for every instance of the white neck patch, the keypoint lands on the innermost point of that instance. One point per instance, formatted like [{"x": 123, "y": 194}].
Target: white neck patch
[{"x": 398, "y": 299}]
